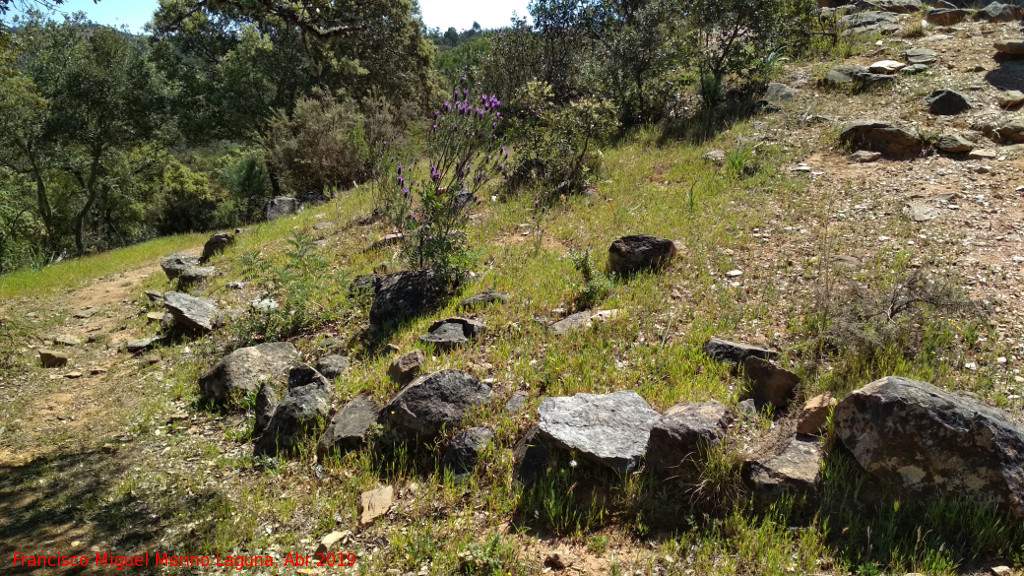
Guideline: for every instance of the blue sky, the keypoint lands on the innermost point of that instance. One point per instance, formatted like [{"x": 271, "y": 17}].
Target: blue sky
[{"x": 436, "y": 13}]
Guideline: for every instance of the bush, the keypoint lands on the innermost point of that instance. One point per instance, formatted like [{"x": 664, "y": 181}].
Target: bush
[
  {"x": 187, "y": 201},
  {"x": 247, "y": 180}
]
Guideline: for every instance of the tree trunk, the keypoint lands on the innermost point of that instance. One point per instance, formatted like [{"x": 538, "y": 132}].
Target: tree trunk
[{"x": 91, "y": 195}]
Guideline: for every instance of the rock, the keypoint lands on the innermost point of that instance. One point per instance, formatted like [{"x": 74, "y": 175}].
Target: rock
[
  {"x": 815, "y": 415},
  {"x": 1012, "y": 132},
  {"x": 67, "y": 340},
  {"x": 452, "y": 333},
  {"x": 996, "y": 12},
  {"x": 466, "y": 449},
  {"x": 914, "y": 69},
  {"x": 611, "y": 429},
  {"x": 921, "y": 211},
  {"x": 886, "y": 67},
  {"x": 1002, "y": 571},
  {"x": 53, "y": 359},
  {"x": 882, "y": 137},
  {"x": 769, "y": 383},
  {"x": 298, "y": 416},
  {"x": 954, "y": 144},
  {"x": 631, "y": 254},
  {"x": 266, "y": 405},
  {"x": 735, "y": 353},
  {"x": 716, "y": 157},
  {"x": 73, "y": 375},
  {"x": 1013, "y": 48},
  {"x": 872, "y": 79},
  {"x": 175, "y": 264},
  {"x": 894, "y": 6},
  {"x": 376, "y": 503},
  {"x": 215, "y": 245},
  {"x": 332, "y": 366},
  {"x": 404, "y": 295},
  {"x": 865, "y": 156},
  {"x": 350, "y": 428},
  {"x": 794, "y": 471},
  {"x": 946, "y": 103},
  {"x": 531, "y": 456},
  {"x": 869, "y": 22},
  {"x": 280, "y": 207},
  {"x": 845, "y": 74},
  {"x": 365, "y": 284},
  {"x": 1011, "y": 99},
  {"x": 142, "y": 345},
  {"x": 483, "y": 299},
  {"x": 405, "y": 369},
  {"x": 434, "y": 401},
  {"x": 194, "y": 275},
  {"x": 779, "y": 92},
  {"x": 947, "y": 16},
  {"x": 931, "y": 442},
  {"x": 236, "y": 285},
  {"x": 154, "y": 297},
  {"x": 328, "y": 542},
  {"x": 920, "y": 56},
  {"x": 156, "y": 316},
  {"x": 682, "y": 433},
  {"x": 581, "y": 321},
  {"x": 242, "y": 372},
  {"x": 984, "y": 154},
  {"x": 516, "y": 403},
  {"x": 387, "y": 240},
  {"x": 199, "y": 314}
]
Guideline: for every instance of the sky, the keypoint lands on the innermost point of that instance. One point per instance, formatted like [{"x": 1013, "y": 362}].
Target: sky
[{"x": 436, "y": 13}]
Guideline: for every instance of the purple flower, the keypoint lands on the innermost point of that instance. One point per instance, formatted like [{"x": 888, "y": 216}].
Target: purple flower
[
  {"x": 437, "y": 113},
  {"x": 447, "y": 106},
  {"x": 434, "y": 128},
  {"x": 401, "y": 181},
  {"x": 463, "y": 78},
  {"x": 399, "y": 169},
  {"x": 405, "y": 191}
]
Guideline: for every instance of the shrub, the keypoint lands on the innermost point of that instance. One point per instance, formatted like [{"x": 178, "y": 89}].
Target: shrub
[
  {"x": 247, "y": 180},
  {"x": 187, "y": 201},
  {"x": 596, "y": 286}
]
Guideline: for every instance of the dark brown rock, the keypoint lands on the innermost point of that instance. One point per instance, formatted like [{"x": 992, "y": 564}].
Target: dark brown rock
[
  {"x": 681, "y": 435},
  {"x": 405, "y": 369},
  {"x": 769, "y": 383}
]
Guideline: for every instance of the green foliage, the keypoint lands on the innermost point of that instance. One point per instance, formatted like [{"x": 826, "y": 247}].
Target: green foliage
[
  {"x": 516, "y": 57},
  {"x": 187, "y": 201},
  {"x": 493, "y": 557},
  {"x": 596, "y": 286},
  {"x": 468, "y": 55}
]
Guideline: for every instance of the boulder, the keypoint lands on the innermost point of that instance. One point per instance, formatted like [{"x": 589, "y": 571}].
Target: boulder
[
  {"x": 947, "y": 16},
  {"x": 779, "y": 92},
  {"x": 266, "y": 404},
  {"x": 954, "y": 144},
  {"x": 920, "y": 56},
  {"x": 769, "y": 383},
  {"x": 932, "y": 443},
  {"x": 215, "y": 245},
  {"x": 298, "y": 416},
  {"x": 465, "y": 450},
  {"x": 997, "y": 12},
  {"x": 516, "y": 403},
  {"x": 610, "y": 429},
  {"x": 192, "y": 313},
  {"x": 843, "y": 75},
  {"x": 175, "y": 264},
  {"x": 869, "y": 22},
  {"x": 716, "y": 157},
  {"x": 194, "y": 275},
  {"x": 303, "y": 375},
  {"x": 350, "y": 427},
  {"x": 406, "y": 368},
  {"x": 142, "y": 345},
  {"x": 815, "y": 415},
  {"x": 52, "y": 359},
  {"x": 279, "y": 207},
  {"x": 332, "y": 366},
  {"x": 1012, "y": 48},
  {"x": 791, "y": 470},
  {"x": 1011, "y": 99},
  {"x": 365, "y": 284},
  {"x": 581, "y": 321},
  {"x": 882, "y": 137},
  {"x": 865, "y": 156},
  {"x": 453, "y": 332},
  {"x": 405, "y": 295},
  {"x": 914, "y": 69},
  {"x": 946, "y": 103},
  {"x": 682, "y": 433},
  {"x": 894, "y": 6},
  {"x": 631, "y": 254},
  {"x": 434, "y": 401},
  {"x": 1012, "y": 132},
  {"x": 242, "y": 372},
  {"x": 734, "y": 352},
  {"x": 531, "y": 457},
  {"x": 483, "y": 299}
]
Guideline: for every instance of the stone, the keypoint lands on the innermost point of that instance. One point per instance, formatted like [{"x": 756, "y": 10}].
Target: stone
[
  {"x": 194, "y": 275},
  {"x": 1010, "y": 99},
  {"x": 997, "y": 12},
  {"x": 1002, "y": 571},
  {"x": 865, "y": 156},
  {"x": 954, "y": 144},
  {"x": 914, "y": 69},
  {"x": 872, "y": 79},
  {"x": 779, "y": 92},
  {"x": 298, "y": 416},
  {"x": 73, "y": 375},
  {"x": 531, "y": 457},
  {"x": 769, "y": 383},
  {"x": 843, "y": 75},
  {"x": 175, "y": 264},
  {"x": 610, "y": 429},
  {"x": 890, "y": 140},
  {"x": 632, "y": 254},
  {"x": 869, "y": 22},
  {"x": 894, "y": 6},
  {"x": 215, "y": 245},
  {"x": 919, "y": 211},
  {"x": 682, "y": 434},
  {"x": 154, "y": 297},
  {"x": 332, "y": 366},
  {"x": 466, "y": 449},
  {"x": 716, "y": 157},
  {"x": 156, "y": 316},
  {"x": 242, "y": 372},
  {"x": 483, "y": 299},
  {"x": 920, "y": 56},
  {"x": 734, "y": 352},
  {"x": 365, "y": 284},
  {"x": 931, "y": 443},
  {"x": 516, "y": 403},
  {"x": 67, "y": 340},
  {"x": 328, "y": 542},
  {"x": 814, "y": 417},
  {"x": 983, "y": 154},
  {"x": 452, "y": 333},
  {"x": 581, "y": 321},
  {"x": 793, "y": 470},
  {"x": 279, "y": 207},
  {"x": 386, "y": 241},
  {"x": 406, "y": 368},
  {"x": 350, "y": 428},
  {"x": 53, "y": 359},
  {"x": 142, "y": 345},
  {"x": 946, "y": 103},
  {"x": 1013, "y": 48},
  {"x": 376, "y": 503},
  {"x": 947, "y": 16},
  {"x": 198, "y": 314},
  {"x": 886, "y": 67},
  {"x": 1012, "y": 132},
  {"x": 405, "y": 295},
  {"x": 266, "y": 405},
  {"x": 434, "y": 401}
]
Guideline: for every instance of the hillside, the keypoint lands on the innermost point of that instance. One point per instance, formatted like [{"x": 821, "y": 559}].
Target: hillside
[{"x": 856, "y": 252}]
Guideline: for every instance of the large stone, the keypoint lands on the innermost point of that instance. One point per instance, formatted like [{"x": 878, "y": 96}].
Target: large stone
[
  {"x": 946, "y": 103},
  {"x": 194, "y": 275},
  {"x": 947, "y": 16},
  {"x": 266, "y": 405},
  {"x": 483, "y": 299},
  {"x": 954, "y": 144},
  {"x": 1012, "y": 132},
  {"x": 734, "y": 352},
  {"x": 365, "y": 284},
  {"x": 405, "y": 295},
  {"x": 886, "y": 67},
  {"x": 407, "y": 367},
  {"x": 299, "y": 416},
  {"x": 894, "y": 6},
  {"x": 198, "y": 314},
  {"x": 611, "y": 429},
  {"x": 779, "y": 92},
  {"x": 844, "y": 74},
  {"x": 350, "y": 427},
  {"x": 1013, "y": 48},
  {"x": 531, "y": 456},
  {"x": 175, "y": 264},
  {"x": 631, "y": 254},
  {"x": 280, "y": 207},
  {"x": 814, "y": 417},
  {"x": 882, "y": 137},
  {"x": 769, "y": 383},
  {"x": 1010, "y": 99},
  {"x": 142, "y": 345},
  {"x": 465, "y": 450},
  {"x": 242, "y": 372},
  {"x": 931, "y": 442},
  {"x": 52, "y": 359},
  {"x": 433, "y": 402},
  {"x": 215, "y": 245},
  {"x": 997, "y": 12},
  {"x": 920, "y": 56},
  {"x": 682, "y": 434},
  {"x": 792, "y": 470},
  {"x": 870, "y": 21},
  {"x": 332, "y": 366},
  {"x": 453, "y": 332},
  {"x": 581, "y": 321}
]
